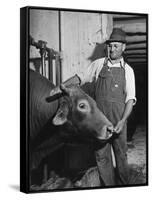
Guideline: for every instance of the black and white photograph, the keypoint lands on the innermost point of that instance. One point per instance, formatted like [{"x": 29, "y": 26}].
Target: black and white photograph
[{"x": 84, "y": 99}]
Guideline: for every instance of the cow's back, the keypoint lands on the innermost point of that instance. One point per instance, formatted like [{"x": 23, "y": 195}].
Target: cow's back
[{"x": 40, "y": 110}]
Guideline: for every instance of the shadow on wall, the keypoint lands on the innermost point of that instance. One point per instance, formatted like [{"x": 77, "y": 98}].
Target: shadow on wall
[{"x": 98, "y": 52}]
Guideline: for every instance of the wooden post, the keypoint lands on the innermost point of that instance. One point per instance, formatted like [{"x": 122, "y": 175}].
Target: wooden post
[
  {"x": 57, "y": 65},
  {"x": 50, "y": 66}
]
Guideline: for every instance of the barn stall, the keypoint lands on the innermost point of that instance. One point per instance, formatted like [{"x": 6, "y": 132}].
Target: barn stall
[{"x": 63, "y": 43}]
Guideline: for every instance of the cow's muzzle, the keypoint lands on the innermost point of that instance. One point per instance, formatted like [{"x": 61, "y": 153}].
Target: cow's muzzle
[{"x": 106, "y": 133}]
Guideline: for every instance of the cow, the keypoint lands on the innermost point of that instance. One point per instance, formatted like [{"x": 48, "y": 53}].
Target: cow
[{"x": 73, "y": 111}]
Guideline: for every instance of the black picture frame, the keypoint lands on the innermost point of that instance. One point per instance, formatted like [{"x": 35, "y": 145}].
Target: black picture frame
[{"x": 25, "y": 42}]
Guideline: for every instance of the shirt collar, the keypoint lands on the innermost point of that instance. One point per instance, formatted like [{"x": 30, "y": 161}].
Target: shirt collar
[{"x": 120, "y": 64}]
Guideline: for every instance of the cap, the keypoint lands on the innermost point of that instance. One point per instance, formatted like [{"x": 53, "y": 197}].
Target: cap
[{"x": 117, "y": 35}]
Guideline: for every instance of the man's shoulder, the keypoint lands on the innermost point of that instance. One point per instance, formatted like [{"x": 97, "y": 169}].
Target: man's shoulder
[
  {"x": 128, "y": 67},
  {"x": 129, "y": 70}
]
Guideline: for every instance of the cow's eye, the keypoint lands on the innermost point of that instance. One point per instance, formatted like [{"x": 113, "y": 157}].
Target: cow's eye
[{"x": 82, "y": 106}]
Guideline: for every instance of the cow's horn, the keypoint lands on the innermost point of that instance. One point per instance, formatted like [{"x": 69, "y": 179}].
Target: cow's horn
[{"x": 65, "y": 89}]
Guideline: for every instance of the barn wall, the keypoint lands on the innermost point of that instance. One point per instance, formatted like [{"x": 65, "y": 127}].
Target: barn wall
[{"x": 80, "y": 35}]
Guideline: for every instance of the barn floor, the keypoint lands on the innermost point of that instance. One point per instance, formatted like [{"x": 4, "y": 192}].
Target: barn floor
[
  {"x": 137, "y": 152},
  {"x": 136, "y": 159}
]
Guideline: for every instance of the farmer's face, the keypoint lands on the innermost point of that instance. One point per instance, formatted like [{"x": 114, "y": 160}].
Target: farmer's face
[{"x": 116, "y": 49}]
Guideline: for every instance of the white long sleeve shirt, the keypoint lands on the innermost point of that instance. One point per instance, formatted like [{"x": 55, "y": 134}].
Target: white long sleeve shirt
[{"x": 95, "y": 67}]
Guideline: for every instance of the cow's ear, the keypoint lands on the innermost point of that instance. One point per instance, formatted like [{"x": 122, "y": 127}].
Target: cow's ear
[{"x": 61, "y": 116}]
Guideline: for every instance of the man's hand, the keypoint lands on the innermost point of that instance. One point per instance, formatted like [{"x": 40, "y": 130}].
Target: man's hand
[
  {"x": 118, "y": 128},
  {"x": 128, "y": 108},
  {"x": 56, "y": 90}
]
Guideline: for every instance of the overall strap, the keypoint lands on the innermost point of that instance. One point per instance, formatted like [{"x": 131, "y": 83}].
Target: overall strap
[
  {"x": 123, "y": 66},
  {"x": 105, "y": 62},
  {"x": 104, "y": 66}
]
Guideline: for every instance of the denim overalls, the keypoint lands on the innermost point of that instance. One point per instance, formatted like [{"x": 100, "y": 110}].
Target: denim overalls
[{"x": 110, "y": 97}]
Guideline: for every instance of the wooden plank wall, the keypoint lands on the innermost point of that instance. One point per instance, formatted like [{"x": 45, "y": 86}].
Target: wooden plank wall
[{"x": 135, "y": 28}]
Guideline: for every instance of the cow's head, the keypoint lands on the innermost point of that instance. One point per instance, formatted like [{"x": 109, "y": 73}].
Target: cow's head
[{"x": 81, "y": 111}]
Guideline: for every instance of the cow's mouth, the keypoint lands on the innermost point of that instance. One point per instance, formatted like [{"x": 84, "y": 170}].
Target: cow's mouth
[{"x": 106, "y": 133}]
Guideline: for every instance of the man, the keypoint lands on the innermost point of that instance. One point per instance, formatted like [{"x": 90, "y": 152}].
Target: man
[{"x": 114, "y": 88}]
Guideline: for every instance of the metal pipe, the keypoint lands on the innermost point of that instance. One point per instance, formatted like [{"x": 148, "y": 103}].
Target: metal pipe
[
  {"x": 50, "y": 54},
  {"x": 43, "y": 55}
]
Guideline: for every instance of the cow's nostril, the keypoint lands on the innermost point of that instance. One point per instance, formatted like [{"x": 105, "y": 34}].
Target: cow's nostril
[
  {"x": 109, "y": 132},
  {"x": 110, "y": 128}
]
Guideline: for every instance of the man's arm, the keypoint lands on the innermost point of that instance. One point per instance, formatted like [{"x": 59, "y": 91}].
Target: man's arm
[
  {"x": 130, "y": 84},
  {"x": 130, "y": 97},
  {"x": 128, "y": 108}
]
